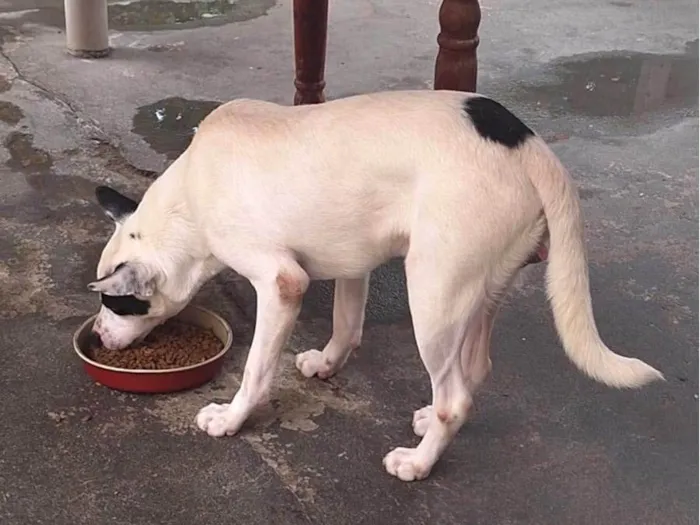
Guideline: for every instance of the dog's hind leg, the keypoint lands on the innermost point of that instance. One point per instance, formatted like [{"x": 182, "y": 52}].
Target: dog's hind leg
[
  {"x": 350, "y": 298},
  {"x": 444, "y": 316},
  {"x": 475, "y": 362},
  {"x": 475, "y": 355}
]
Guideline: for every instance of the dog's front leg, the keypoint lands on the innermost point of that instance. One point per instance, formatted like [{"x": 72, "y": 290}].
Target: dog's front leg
[
  {"x": 278, "y": 305},
  {"x": 348, "y": 318}
]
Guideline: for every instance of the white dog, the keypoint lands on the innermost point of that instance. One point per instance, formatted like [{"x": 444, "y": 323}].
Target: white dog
[{"x": 452, "y": 182}]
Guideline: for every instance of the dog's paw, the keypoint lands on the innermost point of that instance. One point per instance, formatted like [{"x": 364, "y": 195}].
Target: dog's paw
[
  {"x": 421, "y": 420},
  {"x": 218, "y": 420},
  {"x": 406, "y": 464},
  {"x": 312, "y": 363}
]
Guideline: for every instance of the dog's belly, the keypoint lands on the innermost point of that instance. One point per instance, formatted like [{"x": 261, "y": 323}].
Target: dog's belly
[{"x": 349, "y": 259}]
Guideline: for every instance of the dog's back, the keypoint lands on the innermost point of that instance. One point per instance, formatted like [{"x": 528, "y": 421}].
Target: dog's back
[{"x": 376, "y": 165}]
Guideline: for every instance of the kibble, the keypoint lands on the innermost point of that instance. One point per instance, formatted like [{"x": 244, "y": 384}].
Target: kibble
[{"x": 172, "y": 345}]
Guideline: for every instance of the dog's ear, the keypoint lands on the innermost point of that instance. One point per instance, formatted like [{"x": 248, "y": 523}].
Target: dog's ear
[
  {"x": 127, "y": 279},
  {"x": 117, "y": 206}
]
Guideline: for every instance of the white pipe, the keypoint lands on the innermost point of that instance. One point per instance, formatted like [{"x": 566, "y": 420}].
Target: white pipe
[{"x": 87, "y": 28}]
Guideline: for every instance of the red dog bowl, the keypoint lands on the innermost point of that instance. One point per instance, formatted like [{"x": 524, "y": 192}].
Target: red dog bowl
[{"x": 159, "y": 381}]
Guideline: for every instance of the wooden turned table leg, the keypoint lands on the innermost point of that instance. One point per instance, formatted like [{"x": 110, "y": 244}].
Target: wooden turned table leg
[
  {"x": 455, "y": 67},
  {"x": 310, "y": 29}
]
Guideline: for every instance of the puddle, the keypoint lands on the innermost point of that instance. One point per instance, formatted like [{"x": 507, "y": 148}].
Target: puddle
[
  {"x": 10, "y": 113},
  {"x": 169, "y": 124},
  {"x": 619, "y": 84},
  {"x": 169, "y": 14},
  {"x": 24, "y": 156},
  {"x": 138, "y": 15}
]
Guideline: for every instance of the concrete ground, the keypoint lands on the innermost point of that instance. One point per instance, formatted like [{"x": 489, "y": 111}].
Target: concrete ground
[{"x": 611, "y": 84}]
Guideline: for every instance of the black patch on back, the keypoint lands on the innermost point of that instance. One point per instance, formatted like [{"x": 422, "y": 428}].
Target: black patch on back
[
  {"x": 495, "y": 123},
  {"x": 125, "y": 304}
]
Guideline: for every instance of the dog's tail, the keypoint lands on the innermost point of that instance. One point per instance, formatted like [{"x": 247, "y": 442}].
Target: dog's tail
[{"x": 567, "y": 276}]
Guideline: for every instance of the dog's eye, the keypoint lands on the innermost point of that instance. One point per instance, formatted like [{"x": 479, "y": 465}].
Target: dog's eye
[{"x": 134, "y": 235}]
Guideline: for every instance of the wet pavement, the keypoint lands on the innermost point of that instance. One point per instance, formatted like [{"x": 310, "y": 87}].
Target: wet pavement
[
  {"x": 143, "y": 15},
  {"x": 168, "y": 125},
  {"x": 619, "y": 83},
  {"x": 544, "y": 445}
]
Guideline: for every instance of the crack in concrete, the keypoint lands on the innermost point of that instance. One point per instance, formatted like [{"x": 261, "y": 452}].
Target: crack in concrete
[
  {"x": 295, "y": 402},
  {"x": 273, "y": 456},
  {"x": 91, "y": 128}
]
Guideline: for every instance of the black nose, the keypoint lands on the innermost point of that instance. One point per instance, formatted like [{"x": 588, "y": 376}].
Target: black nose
[{"x": 93, "y": 340}]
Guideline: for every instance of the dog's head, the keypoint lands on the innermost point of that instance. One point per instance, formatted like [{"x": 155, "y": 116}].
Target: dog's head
[{"x": 129, "y": 279}]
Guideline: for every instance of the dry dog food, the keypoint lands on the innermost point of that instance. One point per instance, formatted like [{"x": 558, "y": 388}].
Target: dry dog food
[{"x": 171, "y": 345}]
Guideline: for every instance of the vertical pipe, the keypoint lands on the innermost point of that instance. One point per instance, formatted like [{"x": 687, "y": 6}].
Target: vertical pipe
[
  {"x": 310, "y": 29},
  {"x": 87, "y": 28},
  {"x": 456, "y": 66}
]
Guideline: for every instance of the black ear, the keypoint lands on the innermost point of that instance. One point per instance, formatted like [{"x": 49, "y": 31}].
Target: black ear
[
  {"x": 127, "y": 279},
  {"x": 117, "y": 206}
]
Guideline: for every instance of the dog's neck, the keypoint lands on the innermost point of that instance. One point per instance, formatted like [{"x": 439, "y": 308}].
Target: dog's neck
[
  {"x": 163, "y": 216},
  {"x": 165, "y": 222}
]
